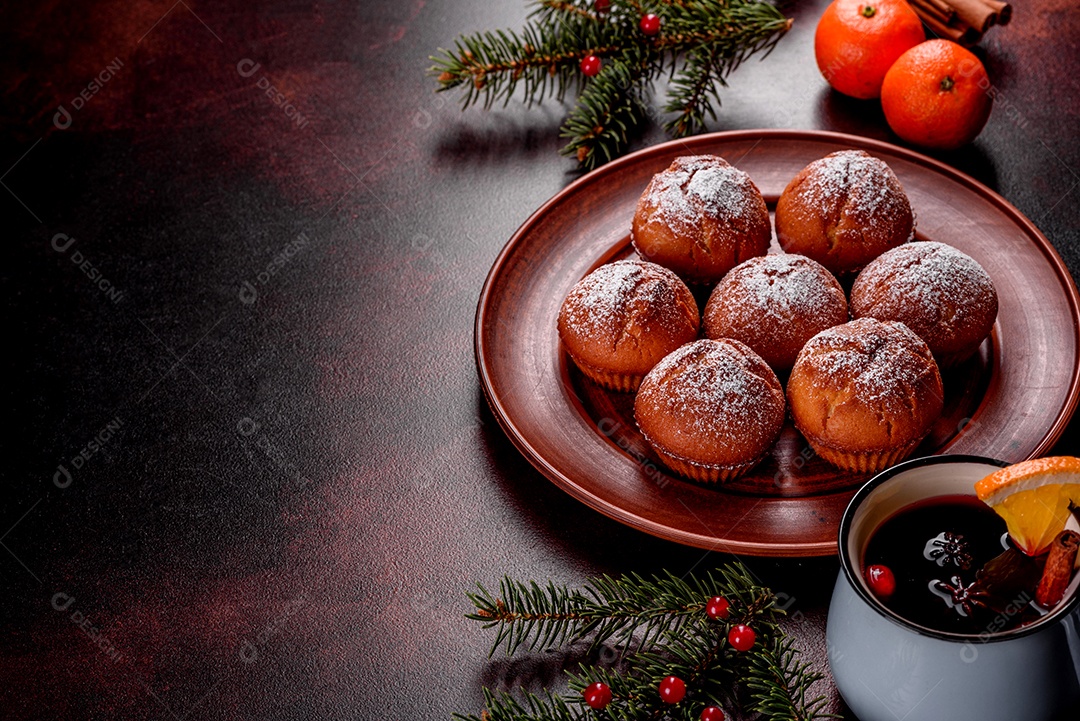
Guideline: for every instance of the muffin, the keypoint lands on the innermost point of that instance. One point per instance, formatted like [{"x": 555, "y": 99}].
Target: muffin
[
  {"x": 774, "y": 304},
  {"x": 701, "y": 217},
  {"x": 843, "y": 211},
  {"x": 865, "y": 393},
  {"x": 710, "y": 410},
  {"x": 620, "y": 320},
  {"x": 937, "y": 291}
]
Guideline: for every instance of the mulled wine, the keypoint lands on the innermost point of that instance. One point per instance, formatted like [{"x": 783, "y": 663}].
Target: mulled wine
[{"x": 947, "y": 564}]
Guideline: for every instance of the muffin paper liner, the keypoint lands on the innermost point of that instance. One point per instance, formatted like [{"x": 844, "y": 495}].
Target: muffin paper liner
[
  {"x": 701, "y": 472},
  {"x": 865, "y": 461},
  {"x": 621, "y": 382}
]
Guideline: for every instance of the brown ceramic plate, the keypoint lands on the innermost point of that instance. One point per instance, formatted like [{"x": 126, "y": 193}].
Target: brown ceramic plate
[{"x": 1010, "y": 402}]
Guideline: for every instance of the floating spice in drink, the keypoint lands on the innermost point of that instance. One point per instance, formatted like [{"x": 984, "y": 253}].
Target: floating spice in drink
[
  {"x": 937, "y": 551},
  {"x": 957, "y": 564}
]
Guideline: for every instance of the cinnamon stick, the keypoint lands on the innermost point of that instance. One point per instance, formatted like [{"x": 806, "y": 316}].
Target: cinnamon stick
[
  {"x": 943, "y": 6},
  {"x": 932, "y": 9},
  {"x": 1003, "y": 11},
  {"x": 963, "y": 34},
  {"x": 1058, "y": 570},
  {"x": 962, "y": 21},
  {"x": 976, "y": 13}
]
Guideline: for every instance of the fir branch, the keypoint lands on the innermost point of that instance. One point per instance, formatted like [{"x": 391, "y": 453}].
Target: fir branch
[
  {"x": 544, "y": 58},
  {"x": 606, "y": 114},
  {"x": 709, "y": 37},
  {"x": 684, "y": 642},
  {"x": 564, "y": 7},
  {"x": 779, "y": 682},
  {"x": 708, "y": 63},
  {"x": 538, "y": 618},
  {"x": 690, "y": 91},
  {"x": 501, "y": 706}
]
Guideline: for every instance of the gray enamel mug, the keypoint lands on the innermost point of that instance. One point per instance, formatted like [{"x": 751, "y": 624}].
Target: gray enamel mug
[{"x": 890, "y": 669}]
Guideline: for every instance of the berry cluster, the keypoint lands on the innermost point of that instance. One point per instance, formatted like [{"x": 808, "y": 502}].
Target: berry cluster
[
  {"x": 649, "y": 24},
  {"x": 672, "y": 689}
]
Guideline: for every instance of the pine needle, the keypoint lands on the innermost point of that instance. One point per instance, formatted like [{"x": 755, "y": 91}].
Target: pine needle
[
  {"x": 658, "y": 627},
  {"x": 699, "y": 44}
]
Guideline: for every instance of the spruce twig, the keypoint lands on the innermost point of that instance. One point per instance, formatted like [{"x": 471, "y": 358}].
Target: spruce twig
[
  {"x": 660, "y": 627},
  {"x": 540, "y": 618},
  {"x": 779, "y": 683},
  {"x": 699, "y": 43}
]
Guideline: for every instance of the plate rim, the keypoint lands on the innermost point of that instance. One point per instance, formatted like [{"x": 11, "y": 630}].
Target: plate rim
[{"x": 652, "y": 527}]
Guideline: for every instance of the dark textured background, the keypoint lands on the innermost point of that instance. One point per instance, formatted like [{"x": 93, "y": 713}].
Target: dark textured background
[{"x": 298, "y": 490}]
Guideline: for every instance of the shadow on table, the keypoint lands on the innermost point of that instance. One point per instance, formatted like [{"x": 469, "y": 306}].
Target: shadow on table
[
  {"x": 499, "y": 138},
  {"x": 535, "y": 671},
  {"x": 507, "y": 137},
  {"x": 599, "y": 544}
]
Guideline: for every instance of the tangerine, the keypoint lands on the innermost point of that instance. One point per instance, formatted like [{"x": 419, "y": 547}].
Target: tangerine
[
  {"x": 935, "y": 95},
  {"x": 856, "y": 42}
]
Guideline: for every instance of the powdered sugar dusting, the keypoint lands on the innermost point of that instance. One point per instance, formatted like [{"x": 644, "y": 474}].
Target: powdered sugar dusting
[
  {"x": 852, "y": 182},
  {"x": 855, "y": 174},
  {"x": 714, "y": 391},
  {"x": 602, "y": 296},
  {"x": 783, "y": 287},
  {"x": 930, "y": 286},
  {"x": 604, "y": 303},
  {"x": 880, "y": 363},
  {"x": 696, "y": 186}
]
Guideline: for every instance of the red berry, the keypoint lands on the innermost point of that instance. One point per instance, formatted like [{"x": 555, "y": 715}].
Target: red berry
[
  {"x": 881, "y": 580},
  {"x": 650, "y": 24},
  {"x": 717, "y": 607},
  {"x": 741, "y": 637},
  {"x": 602, "y": 5},
  {"x": 590, "y": 65},
  {"x": 672, "y": 689},
  {"x": 597, "y": 695},
  {"x": 712, "y": 713}
]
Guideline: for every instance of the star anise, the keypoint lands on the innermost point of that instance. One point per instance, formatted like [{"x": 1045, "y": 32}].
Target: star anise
[
  {"x": 948, "y": 547},
  {"x": 963, "y": 599}
]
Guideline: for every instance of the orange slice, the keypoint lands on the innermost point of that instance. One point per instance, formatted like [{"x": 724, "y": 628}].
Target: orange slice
[{"x": 1033, "y": 497}]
